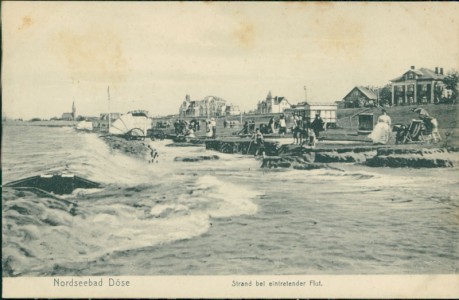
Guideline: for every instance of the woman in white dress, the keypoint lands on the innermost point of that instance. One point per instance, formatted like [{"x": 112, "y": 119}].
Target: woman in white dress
[
  {"x": 382, "y": 131},
  {"x": 209, "y": 131}
]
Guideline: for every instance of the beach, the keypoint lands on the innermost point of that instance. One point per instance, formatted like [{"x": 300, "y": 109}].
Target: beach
[{"x": 218, "y": 216}]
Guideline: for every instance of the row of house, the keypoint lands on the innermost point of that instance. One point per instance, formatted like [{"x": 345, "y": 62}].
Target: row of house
[{"x": 415, "y": 86}]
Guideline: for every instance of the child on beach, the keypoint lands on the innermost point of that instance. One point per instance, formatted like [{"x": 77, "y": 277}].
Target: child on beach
[{"x": 153, "y": 155}]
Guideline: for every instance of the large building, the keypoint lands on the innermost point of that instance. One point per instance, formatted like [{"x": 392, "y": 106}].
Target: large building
[
  {"x": 272, "y": 105},
  {"x": 418, "y": 86},
  {"x": 210, "y": 106},
  {"x": 70, "y": 116},
  {"x": 67, "y": 117},
  {"x": 360, "y": 97}
]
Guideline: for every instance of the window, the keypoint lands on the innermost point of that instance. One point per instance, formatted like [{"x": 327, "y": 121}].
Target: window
[
  {"x": 424, "y": 87},
  {"x": 410, "y": 76}
]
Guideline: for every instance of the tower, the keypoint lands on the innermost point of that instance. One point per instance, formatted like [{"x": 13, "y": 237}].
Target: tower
[
  {"x": 269, "y": 97},
  {"x": 73, "y": 110}
]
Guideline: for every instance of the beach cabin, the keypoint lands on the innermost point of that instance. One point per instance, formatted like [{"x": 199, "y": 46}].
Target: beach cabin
[
  {"x": 365, "y": 123},
  {"x": 326, "y": 111}
]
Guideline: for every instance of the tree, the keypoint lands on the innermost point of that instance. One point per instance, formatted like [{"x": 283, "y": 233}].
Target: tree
[
  {"x": 451, "y": 83},
  {"x": 385, "y": 95}
]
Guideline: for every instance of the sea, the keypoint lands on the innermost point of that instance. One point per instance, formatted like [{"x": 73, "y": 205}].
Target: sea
[{"x": 218, "y": 217}]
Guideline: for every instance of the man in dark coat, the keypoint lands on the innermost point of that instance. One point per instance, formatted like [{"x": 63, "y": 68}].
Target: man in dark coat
[{"x": 317, "y": 125}]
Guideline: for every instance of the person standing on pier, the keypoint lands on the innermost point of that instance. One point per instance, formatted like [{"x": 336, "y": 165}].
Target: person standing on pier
[
  {"x": 213, "y": 124},
  {"x": 296, "y": 129},
  {"x": 259, "y": 141},
  {"x": 282, "y": 125},
  {"x": 209, "y": 131},
  {"x": 317, "y": 126},
  {"x": 301, "y": 130},
  {"x": 271, "y": 125}
]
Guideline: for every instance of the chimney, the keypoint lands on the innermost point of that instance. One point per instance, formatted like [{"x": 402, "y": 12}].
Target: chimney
[
  {"x": 412, "y": 67},
  {"x": 436, "y": 70},
  {"x": 441, "y": 71}
]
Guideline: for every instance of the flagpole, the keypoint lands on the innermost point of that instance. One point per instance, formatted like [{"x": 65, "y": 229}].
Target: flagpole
[{"x": 305, "y": 94}]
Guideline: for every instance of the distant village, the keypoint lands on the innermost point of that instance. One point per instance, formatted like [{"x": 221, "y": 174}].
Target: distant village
[{"x": 413, "y": 87}]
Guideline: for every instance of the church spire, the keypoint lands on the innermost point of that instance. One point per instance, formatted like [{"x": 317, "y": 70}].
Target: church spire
[
  {"x": 73, "y": 109},
  {"x": 269, "y": 97}
]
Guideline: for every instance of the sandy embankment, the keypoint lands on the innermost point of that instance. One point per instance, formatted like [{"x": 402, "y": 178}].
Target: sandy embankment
[{"x": 134, "y": 148}]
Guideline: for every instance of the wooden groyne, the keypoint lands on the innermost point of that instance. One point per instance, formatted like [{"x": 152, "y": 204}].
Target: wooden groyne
[{"x": 241, "y": 146}]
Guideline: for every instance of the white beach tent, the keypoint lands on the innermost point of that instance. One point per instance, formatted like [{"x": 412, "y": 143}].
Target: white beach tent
[{"x": 134, "y": 122}]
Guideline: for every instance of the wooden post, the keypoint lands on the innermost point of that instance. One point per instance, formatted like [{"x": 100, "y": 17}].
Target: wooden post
[{"x": 109, "y": 114}]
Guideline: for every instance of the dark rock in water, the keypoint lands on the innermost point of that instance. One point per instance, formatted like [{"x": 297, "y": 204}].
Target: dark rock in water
[
  {"x": 295, "y": 162},
  {"x": 55, "y": 183},
  {"x": 310, "y": 166},
  {"x": 410, "y": 158},
  {"x": 415, "y": 151},
  {"x": 284, "y": 165},
  {"x": 185, "y": 145},
  {"x": 406, "y": 161},
  {"x": 348, "y": 157},
  {"x": 196, "y": 158}
]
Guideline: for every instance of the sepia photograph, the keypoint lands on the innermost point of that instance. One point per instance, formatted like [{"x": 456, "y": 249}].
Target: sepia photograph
[{"x": 230, "y": 149}]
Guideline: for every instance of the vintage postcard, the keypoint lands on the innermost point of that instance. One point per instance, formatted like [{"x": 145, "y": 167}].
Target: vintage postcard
[{"x": 230, "y": 149}]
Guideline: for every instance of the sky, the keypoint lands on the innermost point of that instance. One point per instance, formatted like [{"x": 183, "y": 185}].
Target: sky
[{"x": 152, "y": 54}]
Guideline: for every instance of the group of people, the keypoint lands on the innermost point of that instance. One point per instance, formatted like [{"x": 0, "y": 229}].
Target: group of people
[
  {"x": 305, "y": 130},
  {"x": 184, "y": 127},
  {"x": 248, "y": 127},
  {"x": 277, "y": 126},
  {"x": 382, "y": 131},
  {"x": 430, "y": 124}
]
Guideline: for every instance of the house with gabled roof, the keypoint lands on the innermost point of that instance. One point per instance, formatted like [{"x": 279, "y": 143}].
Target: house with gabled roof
[
  {"x": 272, "y": 104},
  {"x": 360, "y": 96},
  {"x": 418, "y": 86}
]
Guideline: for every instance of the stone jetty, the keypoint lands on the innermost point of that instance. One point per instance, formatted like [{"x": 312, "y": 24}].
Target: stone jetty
[{"x": 307, "y": 158}]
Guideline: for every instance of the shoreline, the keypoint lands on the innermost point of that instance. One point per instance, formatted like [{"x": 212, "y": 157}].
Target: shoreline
[{"x": 303, "y": 157}]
